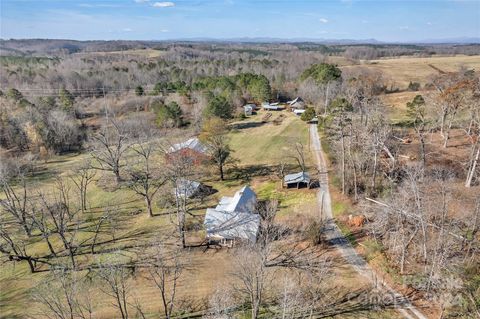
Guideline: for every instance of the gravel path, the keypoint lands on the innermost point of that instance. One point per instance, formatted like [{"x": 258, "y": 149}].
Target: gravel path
[{"x": 336, "y": 238}]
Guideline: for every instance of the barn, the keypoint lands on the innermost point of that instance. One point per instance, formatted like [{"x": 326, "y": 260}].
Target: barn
[{"x": 191, "y": 150}]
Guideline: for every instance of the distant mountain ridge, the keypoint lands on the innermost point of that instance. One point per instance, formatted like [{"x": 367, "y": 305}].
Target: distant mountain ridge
[
  {"x": 462, "y": 40},
  {"x": 56, "y": 46}
]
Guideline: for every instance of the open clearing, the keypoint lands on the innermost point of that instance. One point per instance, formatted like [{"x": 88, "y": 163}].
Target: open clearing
[{"x": 411, "y": 69}]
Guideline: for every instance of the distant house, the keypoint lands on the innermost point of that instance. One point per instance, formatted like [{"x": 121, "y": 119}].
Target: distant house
[
  {"x": 192, "y": 150},
  {"x": 272, "y": 106},
  {"x": 298, "y": 111},
  {"x": 297, "y": 104},
  {"x": 297, "y": 180},
  {"x": 249, "y": 109},
  {"x": 234, "y": 218}
]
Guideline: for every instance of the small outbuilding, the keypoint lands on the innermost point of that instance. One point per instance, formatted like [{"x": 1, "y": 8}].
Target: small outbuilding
[
  {"x": 185, "y": 188},
  {"x": 299, "y": 111},
  {"x": 297, "y": 180},
  {"x": 249, "y": 109},
  {"x": 297, "y": 104}
]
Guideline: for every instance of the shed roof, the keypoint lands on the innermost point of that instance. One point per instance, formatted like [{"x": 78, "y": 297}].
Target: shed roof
[
  {"x": 193, "y": 144},
  {"x": 186, "y": 188},
  {"x": 268, "y": 106},
  {"x": 296, "y": 100},
  {"x": 297, "y": 112},
  {"x": 302, "y": 177}
]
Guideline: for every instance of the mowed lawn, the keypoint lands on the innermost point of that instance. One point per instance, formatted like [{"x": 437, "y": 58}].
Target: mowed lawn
[{"x": 267, "y": 143}]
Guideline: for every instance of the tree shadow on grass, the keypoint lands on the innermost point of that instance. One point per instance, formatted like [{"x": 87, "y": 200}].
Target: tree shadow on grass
[
  {"x": 246, "y": 173},
  {"x": 241, "y": 126}
]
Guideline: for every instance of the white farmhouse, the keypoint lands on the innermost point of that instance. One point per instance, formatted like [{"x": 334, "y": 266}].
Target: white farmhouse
[{"x": 233, "y": 218}]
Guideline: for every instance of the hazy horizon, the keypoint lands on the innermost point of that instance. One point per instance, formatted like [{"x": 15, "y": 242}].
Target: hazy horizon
[{"x": 384, "y": 21}]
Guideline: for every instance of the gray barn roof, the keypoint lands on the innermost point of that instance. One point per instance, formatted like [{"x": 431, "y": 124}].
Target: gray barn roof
[
  {"x": 231, "y": 225},
  {"x": 193, "y": 144},
  {"x": 302, "y": 177}
]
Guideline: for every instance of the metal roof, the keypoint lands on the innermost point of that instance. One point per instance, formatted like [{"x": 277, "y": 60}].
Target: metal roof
[
  {"x": 243, "y": 201},
  {"x": 302, "y": 177},
  {"x": 234, "y": 217},
  {"x": 231, "y": 225},
  {"x": 296, "y": 100},
  {"x": 186, "y": 188},
  {"x": 193, "y": 144}
]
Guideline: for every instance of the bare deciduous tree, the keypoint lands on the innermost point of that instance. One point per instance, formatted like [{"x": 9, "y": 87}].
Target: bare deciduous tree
[
  {"x": 165, "y": 270},
  {"x": 116, "y": 285},
  {"x": 81, "y": 180},
  {"x": 64, "y": 295},
  {"x": 145, "y": 179},
  {"x": 16, "y": 204},
  {"x": 109, "y": 148}
]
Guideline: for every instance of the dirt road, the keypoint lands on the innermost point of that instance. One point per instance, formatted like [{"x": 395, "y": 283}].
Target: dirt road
[{"x": 336, "y": 238}]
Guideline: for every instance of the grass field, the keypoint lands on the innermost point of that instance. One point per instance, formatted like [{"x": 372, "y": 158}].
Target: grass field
[
  {"x": 249, "y": 145},
  {"x": 254, "y": 145},
  {"x": 406, "y": 69}
]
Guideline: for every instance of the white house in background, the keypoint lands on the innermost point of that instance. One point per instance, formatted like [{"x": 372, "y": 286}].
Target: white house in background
[
  {"x": 297, "y": 103},
  {"x": 298, "y": 112},
  {"x": 234, "y": 218},
  {"x": 249, "y": 108},
  {"x": 272, "y": 106}
]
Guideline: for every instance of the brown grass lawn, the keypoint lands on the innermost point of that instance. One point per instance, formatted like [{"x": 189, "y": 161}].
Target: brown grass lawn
[
  {"x": 406, "y": 69},
  {"x": 263, "y": 145}
]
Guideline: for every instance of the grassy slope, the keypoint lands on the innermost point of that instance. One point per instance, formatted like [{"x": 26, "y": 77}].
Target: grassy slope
[
  {"x": 406, "y": 69},
  {"x": 249, "y": 145},
  {"x": 263, "y": 145}
]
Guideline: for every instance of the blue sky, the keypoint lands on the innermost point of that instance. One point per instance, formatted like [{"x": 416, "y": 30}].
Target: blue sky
[{"x": 387, "y": 20}]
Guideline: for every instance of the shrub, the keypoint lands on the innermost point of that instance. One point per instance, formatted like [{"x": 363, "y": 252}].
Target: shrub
[
  {"x": 308, "y": 115},
  {"x": 413, "y": 86},
  {"x": 139, "y": 91}
]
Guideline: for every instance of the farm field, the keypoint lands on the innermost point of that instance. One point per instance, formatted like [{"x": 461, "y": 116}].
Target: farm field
[
  {"x": 413, "y": 69},
  {"x": 199, "y": 282}
]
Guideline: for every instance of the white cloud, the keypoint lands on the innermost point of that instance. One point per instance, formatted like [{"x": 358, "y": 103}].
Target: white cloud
[
  {"x": 164, "y": 4},
  {"x": 405, "y": 27},
  {"x": 141, "y": 1},
  {"x": 164, "y": 30},
  {"x": 127, "y": 30},
  {"x": 323, "y": 20}
]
